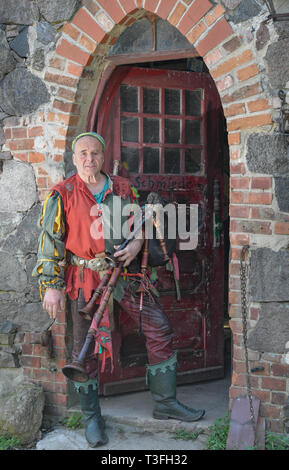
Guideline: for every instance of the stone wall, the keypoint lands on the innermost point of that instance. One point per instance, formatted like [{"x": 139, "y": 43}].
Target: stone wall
[{"x": 53, "y": 55}]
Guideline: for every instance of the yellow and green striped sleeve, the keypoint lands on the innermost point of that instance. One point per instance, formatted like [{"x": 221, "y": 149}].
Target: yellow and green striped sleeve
[{"x": 51, "y": 248}]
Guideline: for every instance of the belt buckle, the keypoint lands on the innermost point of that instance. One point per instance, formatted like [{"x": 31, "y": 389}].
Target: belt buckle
[{"x": 96, "y": 263}]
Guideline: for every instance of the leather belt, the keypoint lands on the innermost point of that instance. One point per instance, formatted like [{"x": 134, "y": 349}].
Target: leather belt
[{"x": 98, "y": 263}]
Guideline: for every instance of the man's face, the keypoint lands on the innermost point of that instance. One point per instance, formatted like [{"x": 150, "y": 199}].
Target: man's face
[{"x": 88, "y": 157}]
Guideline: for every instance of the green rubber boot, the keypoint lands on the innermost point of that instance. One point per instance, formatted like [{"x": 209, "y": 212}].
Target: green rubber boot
[
  {"x": 162, "y": 382},
  {"x": 94, "y": 423}
]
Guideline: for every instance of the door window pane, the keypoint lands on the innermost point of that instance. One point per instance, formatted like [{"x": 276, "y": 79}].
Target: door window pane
[
  {"x": 193, "y": 102},
  {"x": 129, "y": 129},
  {"x": 193, "y": 132},
  {"x": 172, "y": 131},
  {"x": 151, "y": 100},
  {"x": 151, "y": 160},
  {"x": 129, "y": 99},
  {"x": 172, "y": 160},
  {"x": 130, "y": 155},
  {"x": 193, "y": 160},
  {"x": 151, "y": 130},
  {"x": 172, "y": 101}
]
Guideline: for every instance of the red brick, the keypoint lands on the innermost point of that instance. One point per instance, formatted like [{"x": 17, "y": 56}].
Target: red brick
[
  {"x": 177, "y": 14},
  {"x": 57, "y": 63},
  {"x": 23, "y": 144},
  {"x": 72, "y": 52},
  {"x": 240, "y": 182},
  {"x": 249, "y": 122},
  {"x": 280, "y": 370},
  {"x": 112, "y": 9},
  {"x": 269, "y": 411},
  {"x": 36, "y": 157},
  {"x": 62, "y": 106},
  {"x": 234, "y": 138},
  {"x": 254, "y": 313},
  {"x": 91, "y": 6},
  {"x": 214, "y": 14},
  {"x": 243, "y": 197},
  {"x": 19, "y": 132},
  {"x": 262, "y": 213},
  {"x": 274, "y": 383},
  {"x": 75, "y": 69},
  {"x": 239, "y": 239},
  {"x": 258, "y": 105},
  {"x": 215, "y": 36},
  {"x": 128, "y": 5},
  {"x": 237, "y": 169},
  {"x": 35, "y": 131},
  {"x": 28, "y": 361},
  {"x": 242, "y": 93},
  {"x": 247, "y": 72},
  {"x": 279, "y": 398},
  {"x": 70, "y": 31},
  {"x": 234, "y": 109},
  {"x": 165, "y": 8},
  {"x": 87, "y": 43},
  {"x": 151, "y": 5},
  {"x": 262, "y": 182},
  {"x": 250, "y": 226},
  {"x": 282, "y": 228},
  {"x": 196, "y": 11},
  {"x": 8, "y": 133},
  {"x": 232, "y": 63},
  {"x": 88, "y": 25},
  {"x": 61, "y": 80},
  {"x": 241, "y": 212},
  {"x": 196, "y": 32}
]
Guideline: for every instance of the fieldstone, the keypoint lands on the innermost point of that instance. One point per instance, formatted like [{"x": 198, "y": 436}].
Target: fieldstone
[
  {"x": 246, "y": 10},
  {"x": 8, "y": 332},
  {"x": 21, "y": 92},
  {"x": 277, "y": 57},
  {"x": 262, "y": 36},
  {"x": 7, "y": 61},
  {"x": 25, "y": 238},
  {"x": 16, "y": 12},
  {"x": 21, "y": 412},
  {"x": 268, "y": 278},
  {"x": 33, "y": 295},
  {"x": 27, "y": 316},
  {"x": 231, "y": 4},
  {"x": 8, "y": 223},
  {"x": 9, "y": 356},
  {"x": 38, "y": 60},
  {"x": 45, "y": 32},
  {"x": 17, "y": 187},
  {"x": 271, "y": 332},
  {"x": 268, "y": 154},
  {"x": 56, "y": 11},
  {"x": 12, "y": 275},
  {"x": 281, "y": 193},
  {"x": 20, "y": 43}
]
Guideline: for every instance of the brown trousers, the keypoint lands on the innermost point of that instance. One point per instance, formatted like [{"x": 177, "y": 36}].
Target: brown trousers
[{"x": 155, "y": 327}]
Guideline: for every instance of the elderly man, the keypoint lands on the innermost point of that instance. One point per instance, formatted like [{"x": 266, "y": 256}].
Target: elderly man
[{"x": 69, "y": 244}]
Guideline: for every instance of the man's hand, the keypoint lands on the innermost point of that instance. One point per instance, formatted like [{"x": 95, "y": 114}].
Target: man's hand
[
  {"x": 53, "y": 301},
  {"x": 130, "y": 252}
]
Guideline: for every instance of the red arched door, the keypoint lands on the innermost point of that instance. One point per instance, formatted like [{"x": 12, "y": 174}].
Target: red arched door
[{"x": 166, "y": 126}]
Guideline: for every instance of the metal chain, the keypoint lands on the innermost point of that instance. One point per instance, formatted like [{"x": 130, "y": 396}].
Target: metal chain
[{"x": 244, "y": 307}]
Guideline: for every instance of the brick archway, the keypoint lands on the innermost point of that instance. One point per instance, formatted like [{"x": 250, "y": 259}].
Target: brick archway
[{"x": 73, "y": 71}]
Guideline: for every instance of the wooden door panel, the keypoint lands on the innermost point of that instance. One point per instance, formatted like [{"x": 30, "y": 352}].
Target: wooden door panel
[{"x": 165, "y": 126}]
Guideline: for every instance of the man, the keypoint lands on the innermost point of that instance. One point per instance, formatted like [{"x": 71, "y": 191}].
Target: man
[{"x": 68, "y": 234}]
